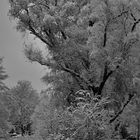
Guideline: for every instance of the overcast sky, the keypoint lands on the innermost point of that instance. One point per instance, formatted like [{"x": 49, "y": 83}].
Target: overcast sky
[{"x": 11, "y": 48}]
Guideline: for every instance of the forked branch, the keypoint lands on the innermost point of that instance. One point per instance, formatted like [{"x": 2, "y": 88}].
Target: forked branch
[{"x": 72, "y": 72}]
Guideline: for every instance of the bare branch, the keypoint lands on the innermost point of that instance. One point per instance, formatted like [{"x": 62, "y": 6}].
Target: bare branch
[
  {"x": 121, "y": 14},
  {"x": 134, "y": 25},
  {"x": 41, "y": 62},
  {"x": 105, "y": 35},
  {"x": 120, "y": 112},
  {"x": 34, "y": 32},
  {"x": 36, "y": 56},
  {"x": 133, "y": 17},
  {"x": 63, "y": 34},
  {"x": 93, "y": 88},
  {"x": 105, "y": 77},
  {"x": 55, "y": 2},
  {"x": 38, "y": 35}
]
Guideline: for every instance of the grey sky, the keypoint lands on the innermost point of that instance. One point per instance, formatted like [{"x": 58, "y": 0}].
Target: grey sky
[{"x": 11, "y": 48}]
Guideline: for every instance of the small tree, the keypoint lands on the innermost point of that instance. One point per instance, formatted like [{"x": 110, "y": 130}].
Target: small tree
[
  {"x": 4, "y": 112},
  {"x": 25, "y": 99}
]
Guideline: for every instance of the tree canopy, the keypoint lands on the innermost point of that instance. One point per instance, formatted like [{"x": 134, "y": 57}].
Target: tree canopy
[
  {"x": 4, "y": 112},
  {"x": 22, "y": 105},
  {"x": 93, "y": 56}
]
